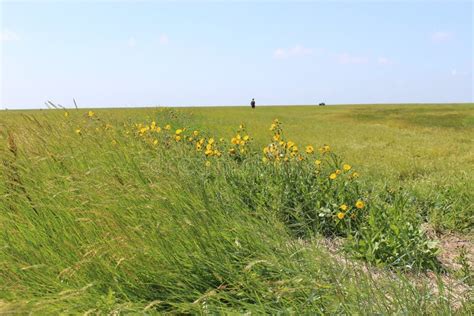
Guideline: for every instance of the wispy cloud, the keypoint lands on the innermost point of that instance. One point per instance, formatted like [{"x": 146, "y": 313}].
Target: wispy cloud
[
  {"x": 296, "y": 51},
  {"x": 441, "y": 36},
  {"x": 131, "y": 42},
  {"x": 384, "y": 61},
  {"x": 164, "y": 40},
  {"x": 8, "y": 36},
  {"x": 346, "y": 58}
]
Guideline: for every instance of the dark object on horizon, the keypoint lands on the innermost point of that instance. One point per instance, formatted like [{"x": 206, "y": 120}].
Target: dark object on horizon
[
  {"x": 252, "y": 103},
  {"x": 322, "y": 104}
]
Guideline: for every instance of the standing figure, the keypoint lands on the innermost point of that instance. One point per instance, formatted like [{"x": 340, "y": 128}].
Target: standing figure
[{"x": 252, "y": 103}]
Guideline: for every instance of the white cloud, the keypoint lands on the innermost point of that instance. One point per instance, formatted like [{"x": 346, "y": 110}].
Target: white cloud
[
  {"x": 296, "y": 51},
  {"x": 8, "y": 36},
  {"x": 384, "y": 61},
  {"x": 346, "y": 58},
  {"x": 441, "y": 36},
  {"x": 164, "y": 39},
  {"x": 131, "y": 42}
]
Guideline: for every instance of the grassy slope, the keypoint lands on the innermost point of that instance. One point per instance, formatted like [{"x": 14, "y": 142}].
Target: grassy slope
[
  {"x": 428, "y": 148},
  {"x": 124, "y": 228}
]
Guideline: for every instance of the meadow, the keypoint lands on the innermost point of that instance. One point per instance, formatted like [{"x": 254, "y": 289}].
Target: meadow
[{"x": 321, "y": 210}]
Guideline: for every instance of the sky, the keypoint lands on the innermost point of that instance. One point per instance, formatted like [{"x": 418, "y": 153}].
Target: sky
[{"x": 190, "y": 53}]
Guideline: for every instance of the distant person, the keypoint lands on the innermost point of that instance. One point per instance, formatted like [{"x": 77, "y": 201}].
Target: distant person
[{"x": 252, "y": 103}]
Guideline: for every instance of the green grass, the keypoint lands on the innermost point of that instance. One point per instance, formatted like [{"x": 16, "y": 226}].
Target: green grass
[{"x": 103, "y": 221}]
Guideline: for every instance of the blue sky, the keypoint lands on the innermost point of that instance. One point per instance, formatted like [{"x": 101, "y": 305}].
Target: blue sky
[{"x": 213, "y": 53}]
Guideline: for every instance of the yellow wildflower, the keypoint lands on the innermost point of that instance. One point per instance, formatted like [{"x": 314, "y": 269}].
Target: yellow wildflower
[
  {"x": 78, "y": 131},
  {"x": 355, "y": 175},
  {"x": 338, "y": 172},
  {"x": 208, "y": 152},
  {"x": 360, "y": 204},
  {"x": 66, "y": 114},
  {"x": 178, "y": 131},
  {"x": 155, "y": 142},
  {"x": 317, "y": 162},
  {"x": 196, "y": 133},
  {"x": 333, "y": 176},
  {"x": 210, "y": 141},
  {"x": 343, "y": 207},
  {"x": 167, "y": 127},
  {"x": 90, "y": 114},
  {"x": 273, "y": 126},
  {"x": 177, "y": 138},
  {"x": 340, "y": 215},
  {"x": 309, "y": 149},
  {"x": 208, "y": 163},
  {"x": 346, "y": 167},
  {"x": 246, "y": 137}
]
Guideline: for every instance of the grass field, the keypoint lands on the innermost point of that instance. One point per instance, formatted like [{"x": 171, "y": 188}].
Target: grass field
[{"x": 114, "y": 211}]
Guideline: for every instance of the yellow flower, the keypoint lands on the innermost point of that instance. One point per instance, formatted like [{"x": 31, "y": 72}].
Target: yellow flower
[
  {"x": 208, "y": 163},
  {"x": 177, "y": 138},
  {"x": 333, "y": 176},
  {"x": 246, "y": 137},
  {"x": 198, "y": 146},
  {"x": 158, "y": 129},
  {"x": 114, "y": 142},
  {"x": 232, "y": 151},
  {"x": 273, "y": 126},
  {"x": 241, "y": 126},
  {"x": 90, "y": 114},
  {"x": 294, "y": 148},
  {"x": 178, "y": 131},
  {"x": 355, "y": 175},
  {"x": 221, "y": 140},
  {"x": 360, "y": 204},
  {"x": 343, "y": 207},
  {"x": 167, "y": 127},
  {"x": 66, "y": 114},
  {"x": 210, "y": 141},
  {"x": 309, "y": 149},
  {"x": 78, "y": 131},
  {"x": 155, "y": 142},
  {"x": 209, "y": 147},
  {"x": 338, "y": 172},
  {"x": 276, "y": 137},
  {"x": 208, "y": 152},
  {"x": 317, "y": 162},
  {"x": 346, "y": 167},
  {"x": 340, "y": 215},
  {"x": 190, "y": 139},
  {"x": 217, "y": 153},
  {"x": 290, "y": 144},
  {"x": 196, "y": 133},
  {"x": 325, "y": 149}
]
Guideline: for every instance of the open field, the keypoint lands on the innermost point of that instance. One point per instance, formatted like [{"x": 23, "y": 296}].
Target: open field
[{"x": 184, "y": 211}]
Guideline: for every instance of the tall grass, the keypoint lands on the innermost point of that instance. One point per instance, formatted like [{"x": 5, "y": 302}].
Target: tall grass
[{"x": 97, "y": 219}]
